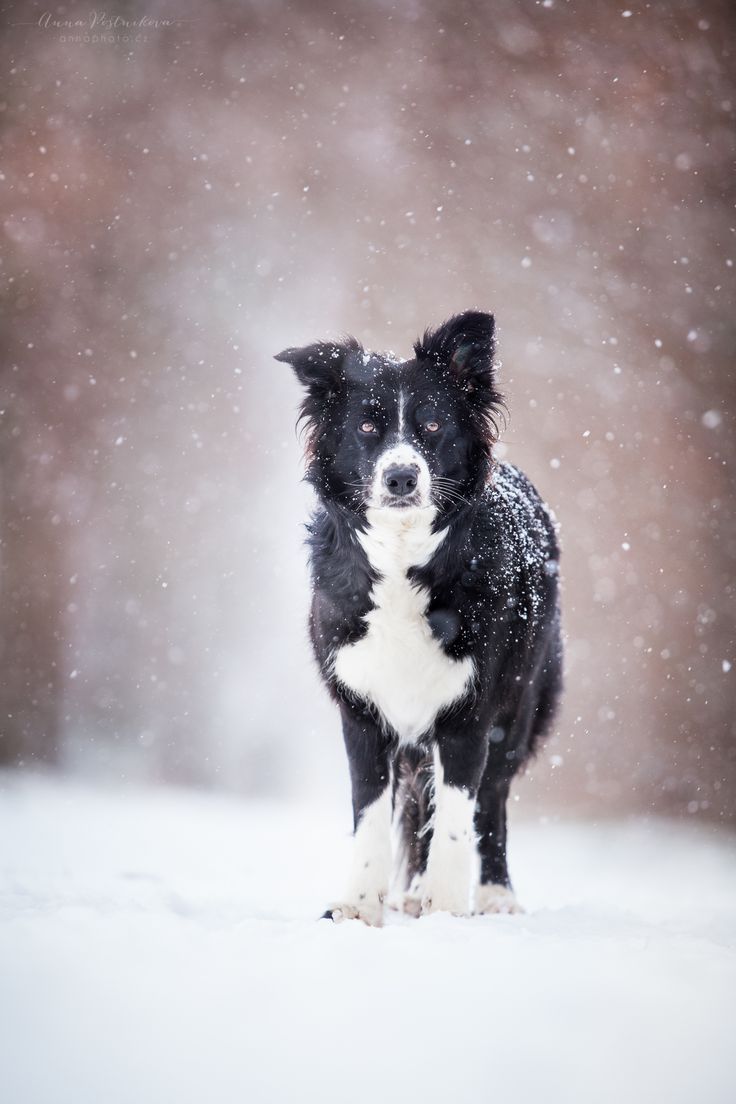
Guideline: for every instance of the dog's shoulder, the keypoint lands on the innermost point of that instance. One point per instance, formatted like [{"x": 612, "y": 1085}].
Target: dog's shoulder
[
  {"x": 525, "y": 540},
  {"x": 341, "y": 581},
  {"x": 500, "y": 556},
  {"x": 512, "y": 506},
  {"x": 330, "y": 536}
]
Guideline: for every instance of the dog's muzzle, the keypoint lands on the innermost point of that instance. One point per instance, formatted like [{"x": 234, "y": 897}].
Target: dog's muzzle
[{"x": 401, "y": 479}]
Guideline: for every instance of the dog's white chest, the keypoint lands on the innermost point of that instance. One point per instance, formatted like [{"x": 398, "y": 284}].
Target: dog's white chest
[{"x": 398, "y": 665}]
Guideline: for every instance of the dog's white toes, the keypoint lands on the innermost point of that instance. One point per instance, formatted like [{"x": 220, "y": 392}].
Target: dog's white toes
[
  {"x": 412, "y": 905},
  {"x": 371, "y": 914},
  {"x": 411, "y": 901},
  {"x": 444, "y": 902},
  {"x": 496, "y": 899}
]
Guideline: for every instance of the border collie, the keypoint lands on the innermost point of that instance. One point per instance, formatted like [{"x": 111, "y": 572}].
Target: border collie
[{"x": 435, "y": 611}]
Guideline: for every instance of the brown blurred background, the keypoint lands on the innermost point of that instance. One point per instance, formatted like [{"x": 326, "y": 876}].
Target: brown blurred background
[{"x": 192, "y": 188}]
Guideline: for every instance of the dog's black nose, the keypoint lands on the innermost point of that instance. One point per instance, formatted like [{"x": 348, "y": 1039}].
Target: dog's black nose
[{"x": 400, "y": 481}]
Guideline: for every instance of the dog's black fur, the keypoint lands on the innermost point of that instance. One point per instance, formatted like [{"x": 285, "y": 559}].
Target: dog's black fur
[{"x": 492, "y": 584}]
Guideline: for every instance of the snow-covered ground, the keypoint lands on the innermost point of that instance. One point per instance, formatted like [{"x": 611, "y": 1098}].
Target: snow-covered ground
[{"x": 162, "y": 946}]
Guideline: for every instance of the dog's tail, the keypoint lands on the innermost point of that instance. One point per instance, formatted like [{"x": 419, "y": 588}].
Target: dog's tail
[{"x": 413, "y": 809}]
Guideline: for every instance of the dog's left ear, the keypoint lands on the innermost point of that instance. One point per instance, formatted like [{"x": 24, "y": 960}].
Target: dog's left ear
[{"x": 464, "y": 346}]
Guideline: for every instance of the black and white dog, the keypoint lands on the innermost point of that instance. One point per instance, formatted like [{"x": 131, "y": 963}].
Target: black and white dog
[{"x": 435, "y": 615}]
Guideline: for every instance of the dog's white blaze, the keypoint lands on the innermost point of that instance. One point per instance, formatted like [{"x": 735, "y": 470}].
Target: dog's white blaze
[
  {"x": 447, "y": 882},
  {"x": 371, "y": 860},
  {"x": 398, "y": 665},
  {"x": 402, "y": 409}
]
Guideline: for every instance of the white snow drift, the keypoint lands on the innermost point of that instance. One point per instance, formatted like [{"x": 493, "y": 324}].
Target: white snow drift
[{"x": 161, "y": 946}]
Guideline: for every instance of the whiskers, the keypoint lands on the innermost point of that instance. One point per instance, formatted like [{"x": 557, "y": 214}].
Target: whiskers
[
  {"x": 357, "y": 493},
  {"x": 444, "y": 491},
  {"x": 358, "y": 497}
]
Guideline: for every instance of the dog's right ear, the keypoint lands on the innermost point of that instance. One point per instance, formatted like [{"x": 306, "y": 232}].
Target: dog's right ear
[
  {"x": 319, "y": 367},
  {"x": 321, "y": 370}
]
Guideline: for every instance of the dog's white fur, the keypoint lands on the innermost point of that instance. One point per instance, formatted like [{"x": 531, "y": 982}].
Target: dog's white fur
[
  {"x": 446, "y": 884},
  {"x": 370, "y": 867},
  {"x": 399, "y": 665}
]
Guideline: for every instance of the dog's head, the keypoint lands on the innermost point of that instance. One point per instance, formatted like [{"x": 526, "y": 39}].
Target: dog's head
[{"x": 392, "y": 434}]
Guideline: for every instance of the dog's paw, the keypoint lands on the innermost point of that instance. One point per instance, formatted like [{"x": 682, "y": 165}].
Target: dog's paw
[
  {"x": 496, "y": 899},
  {"x": 445, "y": 900},
  {"x": 411, "y": 900},
  {"x": 411, "y": 905},
  {"x": 371, "y": 913}
]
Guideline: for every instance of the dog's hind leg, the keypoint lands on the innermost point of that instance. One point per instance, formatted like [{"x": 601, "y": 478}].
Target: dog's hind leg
[
  {"x": 368, "y": 751},
  {"x": 413, "y": 777},
  {"x": 494, "y": 893}
]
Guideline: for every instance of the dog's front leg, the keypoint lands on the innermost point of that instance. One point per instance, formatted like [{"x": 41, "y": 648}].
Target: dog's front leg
[
  {"x": 458, "y": 763},
  {"x": 370, "y": 868}
]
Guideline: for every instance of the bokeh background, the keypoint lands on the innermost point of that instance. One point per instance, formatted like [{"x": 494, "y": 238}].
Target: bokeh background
[{"x": 189, "y": 188}]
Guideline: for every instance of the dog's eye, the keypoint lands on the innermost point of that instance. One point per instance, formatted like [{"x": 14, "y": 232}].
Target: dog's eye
[
  {"x": 431, "y": 426},
  {"x": 367, "y": 427}
]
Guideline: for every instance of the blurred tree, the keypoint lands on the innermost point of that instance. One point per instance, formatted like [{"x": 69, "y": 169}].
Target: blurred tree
[{"x": 176, "y": 208}]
